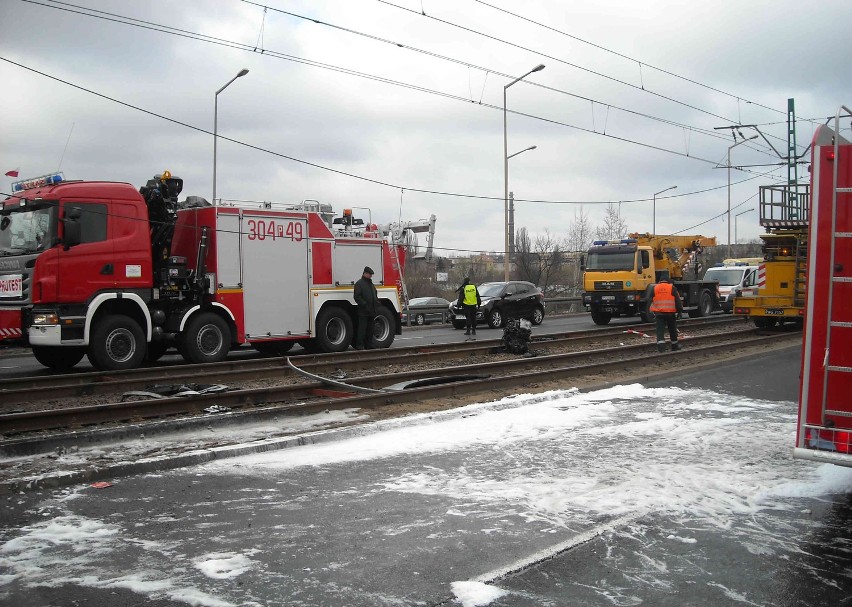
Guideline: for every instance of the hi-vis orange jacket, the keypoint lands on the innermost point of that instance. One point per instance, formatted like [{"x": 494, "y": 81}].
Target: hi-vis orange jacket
[{"x": 664, "y": 299}]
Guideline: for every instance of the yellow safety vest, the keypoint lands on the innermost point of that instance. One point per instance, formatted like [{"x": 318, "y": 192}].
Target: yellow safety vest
[{"x": 470, "y": 295}]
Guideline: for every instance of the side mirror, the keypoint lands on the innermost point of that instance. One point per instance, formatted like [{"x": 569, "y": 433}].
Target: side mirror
[
  {"x": 582, "y": 263},
  {"x": 4, "y": 223},
  {"x": 72, "y": 228}
]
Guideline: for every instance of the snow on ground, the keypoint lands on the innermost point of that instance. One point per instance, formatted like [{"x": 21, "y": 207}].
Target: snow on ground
[{"x": 562, "y": 460}]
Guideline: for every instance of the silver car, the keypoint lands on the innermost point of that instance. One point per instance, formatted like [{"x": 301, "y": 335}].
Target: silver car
[{"x": 425, "y": 310}]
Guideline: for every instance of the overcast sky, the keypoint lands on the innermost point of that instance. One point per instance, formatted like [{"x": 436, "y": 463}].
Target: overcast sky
[{"x": 392, "y": 95}]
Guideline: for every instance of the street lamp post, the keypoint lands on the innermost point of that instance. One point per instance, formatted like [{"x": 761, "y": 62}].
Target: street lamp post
[
  {"x": 241, "y": 73},
  {"x": 735, "y": 226},
  {"x": 506, "y": 260},
  {"x": 731, "y": 147},
  {"x": 511, "y": 225},
  {"x": 654, "y": 209}
]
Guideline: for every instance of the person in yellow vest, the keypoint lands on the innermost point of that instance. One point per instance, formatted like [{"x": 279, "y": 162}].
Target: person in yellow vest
[
  {"x": 664, "y": 301},
  {"x": 470, "y": 301}
]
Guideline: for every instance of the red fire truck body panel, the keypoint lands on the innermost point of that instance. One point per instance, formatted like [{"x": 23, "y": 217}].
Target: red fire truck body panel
[{"x": 825, "y": 411}]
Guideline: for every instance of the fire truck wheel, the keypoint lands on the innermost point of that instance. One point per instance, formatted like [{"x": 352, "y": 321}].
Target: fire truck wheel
[
  {"x": 116, "y": 343},
  {"x": 334, "y": 330},
  {"x": 58, "y": 358},
  {"x": 383, "y": 329},
  {"x": 206, "y": 339},
  {"x": 599, "y": 317}
]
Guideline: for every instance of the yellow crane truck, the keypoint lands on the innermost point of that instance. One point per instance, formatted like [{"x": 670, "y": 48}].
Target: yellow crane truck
[{"x": 616, "y": 274}]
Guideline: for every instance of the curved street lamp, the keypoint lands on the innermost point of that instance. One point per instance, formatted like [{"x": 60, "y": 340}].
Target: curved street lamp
[
  {"x": 506, "y": 259},
  {"x": 240, "y": 74}
]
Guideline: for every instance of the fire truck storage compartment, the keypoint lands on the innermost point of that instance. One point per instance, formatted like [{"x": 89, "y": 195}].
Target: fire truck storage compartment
[
  {"x": 274, "y": 274},
  {"x": 350, "y": 258}
]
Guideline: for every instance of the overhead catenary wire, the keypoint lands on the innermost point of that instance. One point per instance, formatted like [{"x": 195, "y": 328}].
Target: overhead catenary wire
[
  {"x": 68, "y": 7},
  {"x": 486, "y": 70},
  {"x": 337, "y": 171}
]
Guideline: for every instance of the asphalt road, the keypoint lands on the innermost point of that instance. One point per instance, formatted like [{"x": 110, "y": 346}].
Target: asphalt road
[{"x": 680, "y": 494}]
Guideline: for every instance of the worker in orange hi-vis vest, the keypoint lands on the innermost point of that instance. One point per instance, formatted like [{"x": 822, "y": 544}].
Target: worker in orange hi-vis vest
[{"x": 664, "y": 301}]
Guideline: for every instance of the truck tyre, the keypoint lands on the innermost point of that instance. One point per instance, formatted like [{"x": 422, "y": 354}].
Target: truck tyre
[
  {"x": 599, "y": 317},
  {"x": 495, "y": 319},
  {"x": 205, "y": 339},
  {"x": 383, "y": 329},
  {"x": 334, "y": 332},
  {"x": 116, "y": 343},
  {"x": 538, "y": 316},
  {"x": 705, "y": 305},
  {"x": 58, "y": 358}
]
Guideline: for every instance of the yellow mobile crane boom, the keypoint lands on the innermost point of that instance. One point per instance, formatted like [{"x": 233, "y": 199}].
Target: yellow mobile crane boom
[{"x": 616, "y": 274}]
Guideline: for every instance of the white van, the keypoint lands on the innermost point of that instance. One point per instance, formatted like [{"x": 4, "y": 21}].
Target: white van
[{"x": 732, "y": 278}]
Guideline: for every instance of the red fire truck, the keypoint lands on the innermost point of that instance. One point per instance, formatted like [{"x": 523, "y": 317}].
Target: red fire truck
[
  {"x": 119, "y": 274},
  {"x": 825, "y": 401}
]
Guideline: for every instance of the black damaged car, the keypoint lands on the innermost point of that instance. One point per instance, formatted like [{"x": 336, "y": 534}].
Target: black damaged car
[{"x": 501, "y": 301}]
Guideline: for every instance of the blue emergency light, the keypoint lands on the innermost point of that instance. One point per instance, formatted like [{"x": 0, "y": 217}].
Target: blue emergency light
[{"x": 38, "y": 182}]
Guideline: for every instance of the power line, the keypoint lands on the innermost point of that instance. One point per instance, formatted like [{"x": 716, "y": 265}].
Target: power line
[
  {"x": 322, "y": 167},
  {"x": 716, "y": 216},
  {"x": 632, "y": 59},
  {"x": 487, "y": 70},
  {"x": 564, "y": 62},
  {"x": 278, "y": 55}
]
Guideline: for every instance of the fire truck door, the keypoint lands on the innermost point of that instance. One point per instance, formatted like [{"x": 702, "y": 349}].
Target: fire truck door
[
  {"x": 88, "y": 267},
  {"x": 275, "y": 275}
]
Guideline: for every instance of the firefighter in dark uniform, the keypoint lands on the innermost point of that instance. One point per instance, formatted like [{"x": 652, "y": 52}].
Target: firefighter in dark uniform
[
  {"x": 470, "y": 301},
  {"x": 664, "y": 301},
  {"x": 367, "y": 300}
]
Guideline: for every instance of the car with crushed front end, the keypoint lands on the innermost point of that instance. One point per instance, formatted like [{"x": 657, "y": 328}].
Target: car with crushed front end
[{"x": 501, "y": 301}]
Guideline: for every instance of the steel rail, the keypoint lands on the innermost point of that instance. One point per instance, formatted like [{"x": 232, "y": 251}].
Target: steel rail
[
  {"x": 496, "y": 374},
  {"x": 33, "y": 389}
]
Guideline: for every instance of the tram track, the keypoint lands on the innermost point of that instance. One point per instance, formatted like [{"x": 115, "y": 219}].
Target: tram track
[
  {"x": 30, "y": 390},
  {"x": 310, "y": 397}
]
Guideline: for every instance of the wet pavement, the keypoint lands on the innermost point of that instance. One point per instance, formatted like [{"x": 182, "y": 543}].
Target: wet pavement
[{"x": 680, "y": 492}]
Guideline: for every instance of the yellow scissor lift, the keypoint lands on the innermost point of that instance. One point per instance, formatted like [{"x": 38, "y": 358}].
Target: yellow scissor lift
[{"x": 782, "y": 277}]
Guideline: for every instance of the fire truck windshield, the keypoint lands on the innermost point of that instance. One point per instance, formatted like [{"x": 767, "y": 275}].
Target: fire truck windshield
[
  {"x": 611, "y": 260},
  {"x": 27, "y": 229}
]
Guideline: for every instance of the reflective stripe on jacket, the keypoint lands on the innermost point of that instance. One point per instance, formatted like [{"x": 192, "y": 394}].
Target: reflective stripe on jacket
[
  {"x": 470, "y": 294},
  {"x": 664, "y": 299}
]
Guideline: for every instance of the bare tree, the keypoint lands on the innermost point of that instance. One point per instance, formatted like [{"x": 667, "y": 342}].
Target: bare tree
[
  {"x": 539, "y": 260},
  {"x": 613, "y": 227},
  {"x": 580, "y": 234}
]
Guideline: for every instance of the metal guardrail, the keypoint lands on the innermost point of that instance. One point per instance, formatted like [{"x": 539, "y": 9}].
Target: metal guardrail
[{"x": 553, "y": 305}]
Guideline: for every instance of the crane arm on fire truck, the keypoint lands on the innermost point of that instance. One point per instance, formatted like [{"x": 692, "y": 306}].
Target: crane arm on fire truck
[{"x": 404, "y": 233}]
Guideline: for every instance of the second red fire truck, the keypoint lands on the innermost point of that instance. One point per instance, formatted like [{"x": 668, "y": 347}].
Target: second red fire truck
[
  {"x": 824, "y": 431},
  {"x": 117, "y": 274}
]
